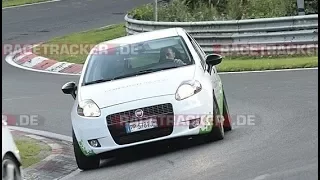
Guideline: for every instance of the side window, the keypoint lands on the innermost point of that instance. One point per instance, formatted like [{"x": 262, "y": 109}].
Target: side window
[{"x": 199, "y": 51}]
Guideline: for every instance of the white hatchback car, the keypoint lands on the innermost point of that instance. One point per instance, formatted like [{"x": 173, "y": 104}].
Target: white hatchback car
[
  {"x": 144, "y": 88},
  {"x": 11, "y": 161}
]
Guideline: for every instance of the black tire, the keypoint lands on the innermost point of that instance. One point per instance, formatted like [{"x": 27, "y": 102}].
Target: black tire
[
  {"x": 84, "y": 162},
  {"x": 226, "y": 114},
  {"x": 217, "y": 132},
  {"x": 9, "y": 160}
]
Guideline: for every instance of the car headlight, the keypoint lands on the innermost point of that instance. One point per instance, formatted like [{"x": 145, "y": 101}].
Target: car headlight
[
  {"x": 187, "y": 89},
  {"x": 88, "y": 108}
]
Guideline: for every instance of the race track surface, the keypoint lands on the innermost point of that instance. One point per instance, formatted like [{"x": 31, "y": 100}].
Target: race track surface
[
  {"x": 40, "y": 94},
  {"x": 282, "y": 144}
]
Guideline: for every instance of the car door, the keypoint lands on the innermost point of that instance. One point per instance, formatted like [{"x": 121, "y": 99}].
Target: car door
[{"x": 214, "y": 77}]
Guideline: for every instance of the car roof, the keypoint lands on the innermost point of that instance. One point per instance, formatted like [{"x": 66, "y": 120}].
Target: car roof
[{"x": 145, "y": 36}]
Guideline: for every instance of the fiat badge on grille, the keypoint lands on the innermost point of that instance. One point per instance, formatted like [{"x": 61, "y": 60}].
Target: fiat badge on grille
[{"x": 139, "y": 113}]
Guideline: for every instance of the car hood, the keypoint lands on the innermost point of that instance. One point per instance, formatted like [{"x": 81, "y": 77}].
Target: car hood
[{"x": 134, "y": 88}]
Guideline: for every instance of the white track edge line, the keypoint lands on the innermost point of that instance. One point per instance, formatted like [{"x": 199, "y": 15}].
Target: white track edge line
[
  {"x": 42, "y": 133},
  {"x": 24, "y": 5}
]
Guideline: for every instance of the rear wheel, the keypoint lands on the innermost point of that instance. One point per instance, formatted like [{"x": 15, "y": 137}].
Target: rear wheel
[
  {"x": 217, "y": 132},
  {"x": 84, "y": 162}
]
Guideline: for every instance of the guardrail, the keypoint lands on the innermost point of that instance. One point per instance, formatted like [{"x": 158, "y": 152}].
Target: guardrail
[{"x": 292, "y": 33}]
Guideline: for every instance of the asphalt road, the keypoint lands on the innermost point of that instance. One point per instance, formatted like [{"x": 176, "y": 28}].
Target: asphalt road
[
  {"x": 282, "y": 144},
  {"x": 33, "y": 93}
]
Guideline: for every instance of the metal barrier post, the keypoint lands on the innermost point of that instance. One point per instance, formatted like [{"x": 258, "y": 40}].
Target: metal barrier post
[
  {"x": 300, "y": 5},
  {"x": 156, "y": 10}
]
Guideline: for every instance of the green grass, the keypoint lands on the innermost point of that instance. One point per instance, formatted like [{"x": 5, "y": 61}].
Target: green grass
[
  {"x": 267, "y": 63},
  {"x": 31, "y": 151},
  {"x": 89, "y": 38},
  {"x": 8, "y": 3},
  {"x": 96, "y": 36}
]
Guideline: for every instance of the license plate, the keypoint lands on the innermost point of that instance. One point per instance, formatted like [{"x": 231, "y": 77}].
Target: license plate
[{"x": 141, "y": 125}]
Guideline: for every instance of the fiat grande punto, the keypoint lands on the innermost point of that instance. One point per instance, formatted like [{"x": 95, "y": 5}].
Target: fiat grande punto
[{"x": 143, "y": 88}]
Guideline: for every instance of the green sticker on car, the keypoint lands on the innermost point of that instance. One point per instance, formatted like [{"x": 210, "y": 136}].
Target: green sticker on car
[
  {"x": 84, "y": 150},
  {"x": 220, "y": 103},
  {"x": 207, "y": 125}
]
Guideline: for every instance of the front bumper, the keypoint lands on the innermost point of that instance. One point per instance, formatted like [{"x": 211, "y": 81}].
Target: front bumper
[{"x": 195, "y": 107}]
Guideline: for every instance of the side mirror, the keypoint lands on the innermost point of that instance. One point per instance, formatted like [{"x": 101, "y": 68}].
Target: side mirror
[
  {"x": 213, "y": 59},
  {"x": 70, "y": 88}
]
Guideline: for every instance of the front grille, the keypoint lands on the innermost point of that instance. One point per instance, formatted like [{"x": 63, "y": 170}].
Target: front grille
[{"x": 162, "y": 112}]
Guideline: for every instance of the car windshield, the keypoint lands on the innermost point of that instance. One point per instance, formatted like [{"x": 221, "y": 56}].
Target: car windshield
[{"x": 135, "y": 59}]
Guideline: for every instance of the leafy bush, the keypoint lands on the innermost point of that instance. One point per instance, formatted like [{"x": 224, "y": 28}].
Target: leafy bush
[
  {"x": 177, "y": 11},
  {"x": 145, "y": 12},
  {"x": 249, "y": 9},
  {"x": 208, "y": 10},
  {"x": 311, "y": 6}
]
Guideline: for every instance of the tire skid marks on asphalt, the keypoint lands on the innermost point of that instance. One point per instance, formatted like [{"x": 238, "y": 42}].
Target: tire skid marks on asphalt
[
  {"x": 57, "y": 67},
  {"x": 34, "y": 61}
]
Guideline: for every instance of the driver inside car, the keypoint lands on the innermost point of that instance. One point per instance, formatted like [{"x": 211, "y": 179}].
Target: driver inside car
[{"x": 169, "y": 53}]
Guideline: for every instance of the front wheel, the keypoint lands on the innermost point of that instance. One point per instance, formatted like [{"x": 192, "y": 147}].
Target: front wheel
[
  {"x": 217, "y": 132},
  {"x": 84, "y": 162},
  {"x": 227, "y": 119},
  {"x": 10, "y": 168}
]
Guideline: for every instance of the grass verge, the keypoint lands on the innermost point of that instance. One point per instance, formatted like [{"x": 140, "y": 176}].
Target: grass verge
[
  {"x": 8, "y": 3},
  {"x": 95, "y": 36},
  {"x": 31, "y": 150},
  {"x": 233, "y": 65},
  {"x": 87, "y": 38}
]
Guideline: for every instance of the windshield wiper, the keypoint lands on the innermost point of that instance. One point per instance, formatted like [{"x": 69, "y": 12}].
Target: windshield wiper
[
  {"x": 146, "y": 71},
  {"x": 134, "y": 74},
  {"x": 97, "y": 81}
]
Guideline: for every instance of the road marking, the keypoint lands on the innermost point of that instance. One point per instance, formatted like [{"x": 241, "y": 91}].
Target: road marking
[
  {"x": 17, "y": 98},
  {"x": 23, "y": 97},
  {"x": 35, "y": 137},
  {"x": 9, "y": 60},
  {"x": 22, "y": 56},
  {"x": 57, "y": 67},
  {"x": 34, "y": 61},
  {"x": 261, "y": 177},
  {"x": 23, "y": 5},
  {"x": 42, "y": 133}
]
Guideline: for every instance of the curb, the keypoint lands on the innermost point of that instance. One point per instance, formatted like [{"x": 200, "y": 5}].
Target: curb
[
  {"x": 25, "y": 59},
  {"x": 42, "y": 133},
  {"x": 59, "y": 164},
  {"x": 30, "y": 61}
]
